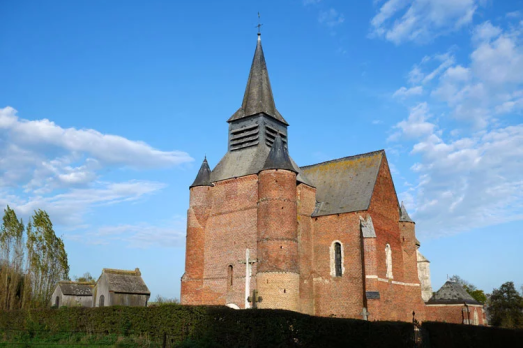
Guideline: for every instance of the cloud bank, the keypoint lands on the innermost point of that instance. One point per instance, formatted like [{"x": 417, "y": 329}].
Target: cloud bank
[
  {"x": 43, "y": 165},
  {"x": 470, "y": 156}
]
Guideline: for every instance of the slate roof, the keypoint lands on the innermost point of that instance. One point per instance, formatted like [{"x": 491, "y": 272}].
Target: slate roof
[
  {"x": 128, "y": 282},
  {"x": 367, "y": 227},
  {"x": 258, "y": 93},
  {"x": 278, "y": 157},
  {"x": 76, "y": 288},
  {"x": 452, "y": 293},
  {"x": 204, "y": 175},
  {"x": 404, "y": 216},
  {"x": 248, "y": 161},
  {"x": 346, "y": 184}
]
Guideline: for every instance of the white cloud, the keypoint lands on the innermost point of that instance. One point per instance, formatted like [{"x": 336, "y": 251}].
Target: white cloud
[
  {"x": 416, "y": 125},
  {"x": 69, "y": 207},
  {"x": 470, "y": 182},
  {"x": 168, "y": 234},
  {"x": 421, "y": 20},
  {"x": 485, "y": 32},
  {"x": 513, "y": 14},
  {"x": 45, "y": 166},
  {"x": 106, "y": 148},
  {"x": 499, "y": 61},
  {"x": 405, "y": 92},
  {"x": 44, "y": 156},
  {"x": 469, "y": 174},
  {"x": 489, "y": 86},
  {"x": 331, "y": 18}
]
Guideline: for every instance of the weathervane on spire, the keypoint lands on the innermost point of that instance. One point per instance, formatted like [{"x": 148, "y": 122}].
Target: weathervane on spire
[{"x": 259, "y": 25}]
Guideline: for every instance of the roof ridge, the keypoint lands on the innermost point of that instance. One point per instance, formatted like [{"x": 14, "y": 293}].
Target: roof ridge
[
  {"x": 73, "y": 282},
  {"x": 347, "y": 157},
  {"x": 135, "y": 272}
]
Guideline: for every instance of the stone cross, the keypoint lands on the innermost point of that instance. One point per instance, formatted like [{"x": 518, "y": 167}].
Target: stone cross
[
  {"x": 365, "y": 314},
  {"x": 248, "y": 262},
  {"x": 254, "y": 298},
  {"x": 259, "y": 24}
]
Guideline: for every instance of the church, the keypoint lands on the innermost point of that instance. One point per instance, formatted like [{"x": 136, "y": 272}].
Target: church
[{"x": 328, "y": 239}]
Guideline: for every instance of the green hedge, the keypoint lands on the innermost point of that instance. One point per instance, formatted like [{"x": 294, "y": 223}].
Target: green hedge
[
  {"x": 190, "y": 326},
  {"x": 174, "y": 320},
  {"x": 444, "y": 335},
  {"x": 213, "y": 326},
  {"x": 278, "y": 328}
]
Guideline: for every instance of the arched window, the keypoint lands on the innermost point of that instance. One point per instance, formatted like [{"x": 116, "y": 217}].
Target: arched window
[
  {"x": 337, "y": 258},
  {"x": 336, "y": 253},
  {"x": 388, "y": 261},
  {"x": 101, "y": 302},
  {"x": 230, "y": 277},
  {"x": 57, "y": 302}
]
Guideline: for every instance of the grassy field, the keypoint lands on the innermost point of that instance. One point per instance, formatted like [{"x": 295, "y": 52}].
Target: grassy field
[{"x": 70, "y": 340}]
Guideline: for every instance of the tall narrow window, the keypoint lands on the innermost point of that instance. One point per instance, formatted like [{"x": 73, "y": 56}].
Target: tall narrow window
[
  {"x": 101, "y": 302},
  {"x": 337, "y": 259},
  {"x": 230, "y": 277}
]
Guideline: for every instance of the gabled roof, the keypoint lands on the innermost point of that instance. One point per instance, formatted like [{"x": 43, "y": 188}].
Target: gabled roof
[
  {"x": 278, "y": 157},
  {"x": 128, "y": 282},
  {"x": 346, "y": 184},
  {"x": 204, "y": 175},
  {"x": 258, "y": 96},
  {"x": 452, "y": 293},
  {"x": 76, "y": 288},
  {"x": 404, "y": 216}
]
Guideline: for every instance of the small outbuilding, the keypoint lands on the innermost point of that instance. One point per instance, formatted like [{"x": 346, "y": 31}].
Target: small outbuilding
[
  {"x": 453, "y": 304},
  {"x": 117, "y": 287},
  {"x": 73, "y": 294}
]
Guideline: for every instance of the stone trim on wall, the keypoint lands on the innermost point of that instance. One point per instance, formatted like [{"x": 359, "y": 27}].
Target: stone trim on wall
[{"x": 391, "y": 281}]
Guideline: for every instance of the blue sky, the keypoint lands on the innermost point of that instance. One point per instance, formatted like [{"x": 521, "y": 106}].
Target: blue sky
[{"x": 108, "y": 108}]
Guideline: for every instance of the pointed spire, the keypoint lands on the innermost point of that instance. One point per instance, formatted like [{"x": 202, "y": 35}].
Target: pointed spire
[
  {"x": 278, "y": 157},
  {"x": 258, "y": 94},
  {"x": 204, "y": 175},
  {"x": 404, "y": 216}
]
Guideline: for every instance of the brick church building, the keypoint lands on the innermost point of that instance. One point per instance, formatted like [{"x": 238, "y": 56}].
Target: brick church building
[{"x": 329, "y": 239}]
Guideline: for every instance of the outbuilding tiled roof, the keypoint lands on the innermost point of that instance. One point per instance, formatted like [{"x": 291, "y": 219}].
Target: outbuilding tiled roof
[
  {"x": 346, "y": 184},
  {"x": 76, "y": 288},
  {"x": 452, "y": 293},
  {"x": 128, "y": 282}
]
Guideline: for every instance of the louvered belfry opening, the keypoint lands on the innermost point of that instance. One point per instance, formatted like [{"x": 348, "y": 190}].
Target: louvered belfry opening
[
  {"x": 244, "y": 137},
  {"x": 270, "y": 135}
]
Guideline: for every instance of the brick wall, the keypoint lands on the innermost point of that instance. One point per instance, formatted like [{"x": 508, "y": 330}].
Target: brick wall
[
  {"x": 338, "y": 296},
  {"x": 401, "y": 294},
  {"x": 228, "y": 231},
  {"x": 271, "y": 216},
  {"x": 453, "y": 313},
  {"x": 306, "y": 201},
  {"x": 278, "y": 261},
  {"x": 192, "y": 281}
]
